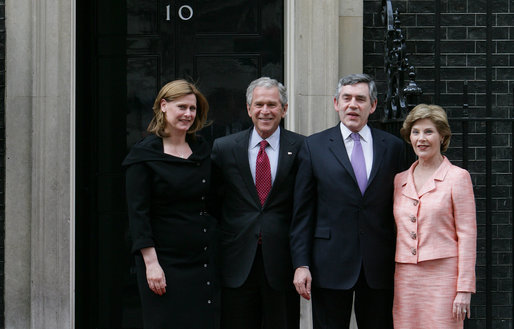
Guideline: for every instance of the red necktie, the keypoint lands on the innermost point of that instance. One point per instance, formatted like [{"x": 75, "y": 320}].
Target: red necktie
[{"x": 263, "y": 173}]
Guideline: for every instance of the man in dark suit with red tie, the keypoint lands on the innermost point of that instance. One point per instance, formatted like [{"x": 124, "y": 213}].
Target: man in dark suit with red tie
[
  {"x": 343, "y": 230},
  {"x": 253, "y": 177}
]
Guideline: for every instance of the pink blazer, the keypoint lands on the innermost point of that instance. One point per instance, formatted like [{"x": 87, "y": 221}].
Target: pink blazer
[{"x": 437, "y": 222}]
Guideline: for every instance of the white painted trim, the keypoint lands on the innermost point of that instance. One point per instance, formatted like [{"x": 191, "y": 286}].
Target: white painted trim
[
  {"x": 18, "y": 162},
  {"x": 73, "y": 81},
  {"x": 289, "y": 31}
]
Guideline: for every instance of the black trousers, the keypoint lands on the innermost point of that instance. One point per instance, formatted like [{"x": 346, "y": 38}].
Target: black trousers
[
  {"x": 331, "y": 309},
  {"x": 255, "y": 305}
]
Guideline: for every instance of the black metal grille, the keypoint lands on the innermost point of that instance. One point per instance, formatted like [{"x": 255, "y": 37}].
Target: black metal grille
[{"x": 482, "y": 132}]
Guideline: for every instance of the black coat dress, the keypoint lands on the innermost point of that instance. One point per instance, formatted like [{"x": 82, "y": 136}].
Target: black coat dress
[{"x": 166, "y": 199}]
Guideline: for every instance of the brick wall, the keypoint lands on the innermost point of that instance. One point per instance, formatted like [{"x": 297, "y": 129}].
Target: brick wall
[
  {"x": 443, "y": 62},
  {"x": 2, "y": 156}
]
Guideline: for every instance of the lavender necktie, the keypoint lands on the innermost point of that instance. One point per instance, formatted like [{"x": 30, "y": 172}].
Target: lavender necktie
[{"x": 358, "y": 163}]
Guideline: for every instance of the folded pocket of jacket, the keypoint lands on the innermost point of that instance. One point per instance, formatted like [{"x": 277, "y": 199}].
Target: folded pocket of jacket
[{"x": 322, "y": 233}]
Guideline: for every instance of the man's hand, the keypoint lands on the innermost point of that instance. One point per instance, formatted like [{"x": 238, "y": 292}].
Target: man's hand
[{"x": 302, "y": 282}]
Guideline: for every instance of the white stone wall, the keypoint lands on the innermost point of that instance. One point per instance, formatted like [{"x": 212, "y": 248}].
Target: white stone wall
[
  {"x": 39, "y": 111},
  {"x": 315, "y": 56},
  {"x": 324, "y": 42}
]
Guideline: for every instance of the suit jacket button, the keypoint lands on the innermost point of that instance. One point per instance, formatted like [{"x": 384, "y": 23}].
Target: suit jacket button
[
  {"x": 203, "y": 181},
  {"x": 415, "y": 202},
  {"x": 413, "y": 251},
  {"x": 413, "y": 218},
  {"x": 413, "y": 235}
]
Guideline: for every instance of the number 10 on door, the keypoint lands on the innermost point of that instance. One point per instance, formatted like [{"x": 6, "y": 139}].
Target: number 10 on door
[{"x": 185, "y": 12}]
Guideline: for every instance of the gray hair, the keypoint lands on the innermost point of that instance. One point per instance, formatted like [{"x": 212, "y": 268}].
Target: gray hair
[
  {"x": 266, "y": 83},
  {"x": 353, "y": 79}
]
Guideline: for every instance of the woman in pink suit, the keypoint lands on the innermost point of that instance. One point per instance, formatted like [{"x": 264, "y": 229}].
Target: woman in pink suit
[{"x": 434, "y": 210}]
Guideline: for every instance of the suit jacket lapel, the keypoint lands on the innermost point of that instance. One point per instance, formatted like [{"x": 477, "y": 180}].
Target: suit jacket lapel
[
  {"x": 241, "y": 155},
  {"x": 338, "y": 149},
  {"x": 379, "y": 149},
  {"x": 286, "y": 158},
  {"x": 408, "y": 187},
  {"x": 439, "y": 175}
]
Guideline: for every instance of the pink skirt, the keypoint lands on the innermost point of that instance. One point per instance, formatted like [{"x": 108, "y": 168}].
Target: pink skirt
[{"x": 424, "y": 294}]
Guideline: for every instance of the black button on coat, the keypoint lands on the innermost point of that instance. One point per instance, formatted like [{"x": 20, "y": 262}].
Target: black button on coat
[{"x": 166, "y": 198}]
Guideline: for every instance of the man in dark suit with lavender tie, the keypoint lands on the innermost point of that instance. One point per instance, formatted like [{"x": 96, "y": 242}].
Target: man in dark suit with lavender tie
[
  {"x": 253, "y": 175},
  {"x": 342, "y": 234}
]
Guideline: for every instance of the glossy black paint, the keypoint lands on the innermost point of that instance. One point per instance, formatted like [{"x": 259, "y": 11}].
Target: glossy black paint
[
  {"x": 126, "y": 50},
  {"x": 222, "y": 47}
]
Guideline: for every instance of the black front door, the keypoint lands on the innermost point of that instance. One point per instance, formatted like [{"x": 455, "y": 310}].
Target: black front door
[
  {"x": 126, "y": 51},
  {"x": 220, "y": 45}
]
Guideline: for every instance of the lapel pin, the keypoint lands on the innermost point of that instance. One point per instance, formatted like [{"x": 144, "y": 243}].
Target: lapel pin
[{"x": 289, "y": 153}]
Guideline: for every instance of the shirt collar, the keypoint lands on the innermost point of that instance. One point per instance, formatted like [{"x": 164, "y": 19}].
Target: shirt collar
[
  {"x": 273, "y": 140},
  {"x": 365, "y": 132}
]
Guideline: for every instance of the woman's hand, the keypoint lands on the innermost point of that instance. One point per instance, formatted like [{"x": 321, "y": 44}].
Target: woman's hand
[
  {"x": 156, "y": 279},
  {"x": 154, "y": 273},
  {"x": 461, "y": 305}
]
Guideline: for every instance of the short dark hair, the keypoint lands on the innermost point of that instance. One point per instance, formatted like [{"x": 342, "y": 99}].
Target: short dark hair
[{"x": 353, "y": 79}]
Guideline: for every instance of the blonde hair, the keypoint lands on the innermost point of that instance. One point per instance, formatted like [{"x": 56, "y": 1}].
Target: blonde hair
[
  {"x": 433, "y": 112},
  {"x": 171, "y": 91}
]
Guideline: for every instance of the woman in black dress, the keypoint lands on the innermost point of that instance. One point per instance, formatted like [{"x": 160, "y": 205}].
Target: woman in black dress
[{"x": 167, "y": 179}]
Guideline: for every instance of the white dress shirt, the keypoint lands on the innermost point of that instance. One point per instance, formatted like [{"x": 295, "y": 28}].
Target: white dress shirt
[
  {"x": 271, "y": 151},
  {"x": 366, "y": 142}
]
